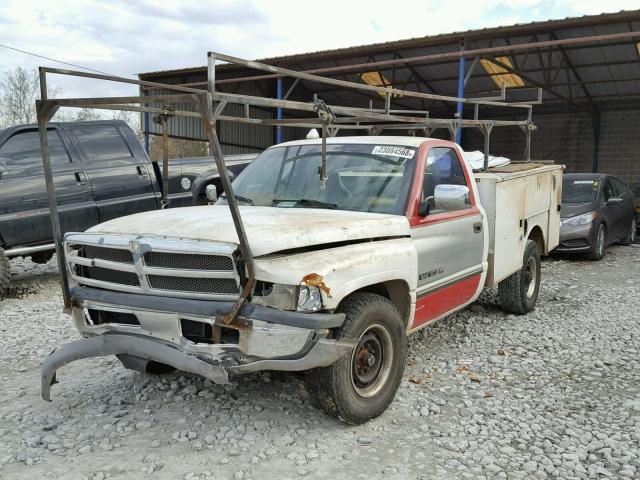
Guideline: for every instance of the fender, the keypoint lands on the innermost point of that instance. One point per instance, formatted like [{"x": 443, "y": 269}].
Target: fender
[{"x": 340, "y": 271}]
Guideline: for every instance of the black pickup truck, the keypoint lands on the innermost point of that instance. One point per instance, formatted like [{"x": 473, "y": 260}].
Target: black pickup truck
[{"x": 101, "y": 171}]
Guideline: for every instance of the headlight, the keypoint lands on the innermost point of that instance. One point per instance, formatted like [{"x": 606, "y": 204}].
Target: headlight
[
  {"x": 584, "y": 219},
  {"x": 309, "y": 299}
]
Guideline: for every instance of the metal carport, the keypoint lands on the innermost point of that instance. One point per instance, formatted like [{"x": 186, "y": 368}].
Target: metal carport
[{"x": 587, "y": 70}]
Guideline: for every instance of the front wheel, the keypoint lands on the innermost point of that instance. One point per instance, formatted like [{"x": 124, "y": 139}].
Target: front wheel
[
  {"x": 518, "y": 293},
  {"x": 360, "y": 386},
  {"x": 598, "y": 249},
  {"x": 631, "y": 234}
]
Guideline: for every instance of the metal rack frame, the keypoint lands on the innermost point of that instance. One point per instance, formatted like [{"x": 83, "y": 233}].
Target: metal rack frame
[{"x": 209, "y": 106}]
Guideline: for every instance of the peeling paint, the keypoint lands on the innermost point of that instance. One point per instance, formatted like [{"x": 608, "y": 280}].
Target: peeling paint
[{"x": 315, "y": 280}]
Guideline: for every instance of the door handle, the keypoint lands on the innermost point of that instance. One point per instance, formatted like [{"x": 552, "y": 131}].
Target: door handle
[
  {"x": 477, "y": 227},
  {"x": 140, "y": 171},
  {"x": 81, "y": 178}
]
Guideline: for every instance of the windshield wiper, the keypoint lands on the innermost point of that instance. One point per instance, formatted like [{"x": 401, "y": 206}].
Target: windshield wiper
[
  {"x": 242, "y": 199},
  {"x": 306, "y": 202}
]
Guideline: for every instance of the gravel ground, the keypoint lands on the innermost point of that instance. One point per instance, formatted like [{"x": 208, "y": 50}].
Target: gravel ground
[{"x": 553, "y": 394}]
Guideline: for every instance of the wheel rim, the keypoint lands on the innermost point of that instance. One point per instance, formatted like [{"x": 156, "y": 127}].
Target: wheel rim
[
  {"x": 371, "y": 361},
  {"x": 634, "y": 226},
  {"x": 600, "y": 241},
  {"x": 531, "y": 274}
]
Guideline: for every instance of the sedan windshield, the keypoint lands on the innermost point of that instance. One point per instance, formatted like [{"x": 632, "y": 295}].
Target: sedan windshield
[
  {"x": 579, "y": 191},
  {"x": 360, "y": 177}
]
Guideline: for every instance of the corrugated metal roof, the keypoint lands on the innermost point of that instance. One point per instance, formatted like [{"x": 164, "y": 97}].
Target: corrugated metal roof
[{"x": 421, "y": 42}]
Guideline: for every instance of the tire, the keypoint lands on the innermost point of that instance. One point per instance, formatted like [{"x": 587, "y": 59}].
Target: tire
[
  {"x": 42, "y": 257},
  {"x": 631, "y": 234},
  {"x": 518, "y": 293},
  {"x": 352, "y": 389},
  {"x": 5, "y": 274},
  {"x": 597, "y": 252}
]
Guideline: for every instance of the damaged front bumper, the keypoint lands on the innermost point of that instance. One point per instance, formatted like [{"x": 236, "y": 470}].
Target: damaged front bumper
[{"x": 187, "y": 335}]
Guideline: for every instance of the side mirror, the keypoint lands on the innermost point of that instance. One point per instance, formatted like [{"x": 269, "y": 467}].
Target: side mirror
[
  {"x": 615, "y": 201},
  {"x": 211, "y": 193},
  {"x": 451, "y": 197}
]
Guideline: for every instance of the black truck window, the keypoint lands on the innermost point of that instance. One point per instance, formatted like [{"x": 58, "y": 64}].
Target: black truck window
[
  {"x": 20, "y": 155},
  {"x": 103, "y": 145}
]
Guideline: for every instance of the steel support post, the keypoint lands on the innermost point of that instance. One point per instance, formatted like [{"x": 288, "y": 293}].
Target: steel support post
[
  {"x": 279, "y": 111},
  {"x": 206, "y": 109},
  {"x": 165, "y": 162},
  {"x": 461, "y": 83},
  {"x": 147, "y": 144},
  {"x": 486, "y": 131},
  {"x": 44, "y": 113},
  {"x": 595, "y": 123}
]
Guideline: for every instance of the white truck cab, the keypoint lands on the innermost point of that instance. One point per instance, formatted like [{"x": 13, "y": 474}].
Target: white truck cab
[{"x": 399, "y": 234}]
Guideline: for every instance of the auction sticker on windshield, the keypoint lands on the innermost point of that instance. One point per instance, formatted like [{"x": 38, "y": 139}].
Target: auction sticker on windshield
[{"x": 395, "y": 151}]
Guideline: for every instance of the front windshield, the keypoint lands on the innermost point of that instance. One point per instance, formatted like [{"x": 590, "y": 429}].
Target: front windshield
[
  {"x": 360, "y": 177},
  {"x": 579, "y": 191}
]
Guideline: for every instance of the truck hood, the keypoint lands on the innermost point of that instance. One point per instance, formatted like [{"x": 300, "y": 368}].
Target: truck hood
[{"x": 269, "y": 229}]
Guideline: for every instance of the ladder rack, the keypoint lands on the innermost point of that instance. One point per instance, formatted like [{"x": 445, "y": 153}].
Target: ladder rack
[{"x": 209, "y": 106}]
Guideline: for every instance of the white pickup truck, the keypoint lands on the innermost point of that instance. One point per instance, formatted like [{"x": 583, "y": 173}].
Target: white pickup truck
[{"x": 399, "y": 234}]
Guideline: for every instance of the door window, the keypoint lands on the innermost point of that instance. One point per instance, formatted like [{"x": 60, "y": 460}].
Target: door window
[
  {"x": 103, "y": 146},
  {"x": 20, "y": 155},
  {"x": 619, "y": 187},
  {"x": 442, "y": 167},
  {"x": 609, "y": 191}
]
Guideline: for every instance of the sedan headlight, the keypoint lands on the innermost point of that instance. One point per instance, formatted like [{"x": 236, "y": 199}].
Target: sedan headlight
[
  {"x": 584, "y": 219},
  {"x": 309, "y": 299}
]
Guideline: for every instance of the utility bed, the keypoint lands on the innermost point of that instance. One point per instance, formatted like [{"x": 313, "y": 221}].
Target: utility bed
[{"x": 515, "y": 196}]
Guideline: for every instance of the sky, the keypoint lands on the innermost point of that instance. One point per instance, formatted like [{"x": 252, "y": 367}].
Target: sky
[{"x": 129, "y": 37}]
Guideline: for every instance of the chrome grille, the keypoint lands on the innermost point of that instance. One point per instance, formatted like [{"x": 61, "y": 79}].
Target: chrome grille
[
  {"x": 104, "y": 253},
  {"x": 181, "y": 284},
  {"x": 188, "y": 261},
  {"x": 109, "y": 275},
  {"x": 168, "y": 267}
]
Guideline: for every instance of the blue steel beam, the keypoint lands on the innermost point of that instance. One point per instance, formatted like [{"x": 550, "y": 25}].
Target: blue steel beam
[{"x": 279, "y": 112}]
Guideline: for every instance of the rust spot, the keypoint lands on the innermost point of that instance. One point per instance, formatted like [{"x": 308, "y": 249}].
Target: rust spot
[{"x": 315, "y": 280}]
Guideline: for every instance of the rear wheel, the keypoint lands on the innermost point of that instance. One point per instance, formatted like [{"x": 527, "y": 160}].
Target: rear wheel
[
  {"x": 360, "y": 386},
  {"x": 631, "y": 234},
  {"x": 519, "y": 292},
  {"x": 5, "y": 274},
  {"x": 598, "y": 249}
]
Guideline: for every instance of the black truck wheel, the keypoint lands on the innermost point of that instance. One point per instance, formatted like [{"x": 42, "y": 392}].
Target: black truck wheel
[
  {"x": 5, "y": 274},
  {"x": 631, "y": 234},
  {"x": 518, "y": 293},
  {"x": 360, "y": 386}
]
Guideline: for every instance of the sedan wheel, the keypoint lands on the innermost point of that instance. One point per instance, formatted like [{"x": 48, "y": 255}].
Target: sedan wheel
[{"x": 598, "y": 249}]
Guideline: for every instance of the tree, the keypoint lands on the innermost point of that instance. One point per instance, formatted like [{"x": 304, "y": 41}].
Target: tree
[{"x": 19, "y": 90}]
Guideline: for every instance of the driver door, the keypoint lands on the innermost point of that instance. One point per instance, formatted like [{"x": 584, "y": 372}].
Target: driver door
[{"x": 450, "y": 243}]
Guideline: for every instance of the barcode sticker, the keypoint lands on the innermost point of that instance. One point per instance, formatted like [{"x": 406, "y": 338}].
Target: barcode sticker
[{"x": 394, "y": 151}]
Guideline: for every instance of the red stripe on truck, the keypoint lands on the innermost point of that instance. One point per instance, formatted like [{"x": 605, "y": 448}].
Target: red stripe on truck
[{"x": 433, "y": 305}]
